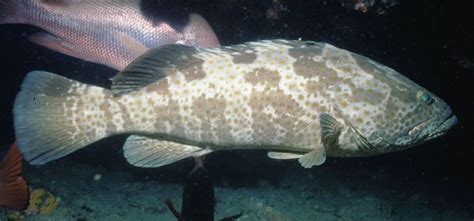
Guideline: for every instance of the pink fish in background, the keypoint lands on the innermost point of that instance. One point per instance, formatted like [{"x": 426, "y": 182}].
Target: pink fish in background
[{"x": 108, "y": 32}]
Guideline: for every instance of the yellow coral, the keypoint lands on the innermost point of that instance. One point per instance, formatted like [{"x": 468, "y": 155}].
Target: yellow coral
[
  {"x": 50, "y": 204},
  {"x": 14, "y": 216},
  {"x": 41, "y": 202}
]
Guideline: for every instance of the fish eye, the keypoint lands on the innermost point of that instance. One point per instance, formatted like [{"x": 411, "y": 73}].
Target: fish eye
[{"x": 424, "y": 97}]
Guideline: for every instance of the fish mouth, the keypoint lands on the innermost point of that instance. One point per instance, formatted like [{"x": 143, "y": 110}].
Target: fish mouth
[
  {"x": 435, "y": 127},
  {"x": 444, "y": 126}
]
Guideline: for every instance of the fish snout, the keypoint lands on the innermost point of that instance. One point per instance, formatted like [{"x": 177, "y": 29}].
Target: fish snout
[
  {"x": 445, "y": 121},
  {"x": 435, "y": 126},
  {"x": 449, "y": 121}
]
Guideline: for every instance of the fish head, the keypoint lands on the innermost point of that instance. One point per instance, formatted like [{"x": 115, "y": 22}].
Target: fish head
[
  {"x": 423, "y": 117},
  {"x": 406, "y": 114}
]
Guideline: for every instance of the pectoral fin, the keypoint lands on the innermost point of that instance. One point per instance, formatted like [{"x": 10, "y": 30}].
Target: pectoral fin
[
  {"x": 56, "y": 44},
  {"x": 283, "y": 155},
  {"x": 330, "y": 130},
  {"x": 147, "y": 152}
]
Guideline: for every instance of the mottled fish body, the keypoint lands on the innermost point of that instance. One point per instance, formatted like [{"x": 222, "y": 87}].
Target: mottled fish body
[
  {"x": 299, "y": 99},
  {"x": 108, "y": 32}
]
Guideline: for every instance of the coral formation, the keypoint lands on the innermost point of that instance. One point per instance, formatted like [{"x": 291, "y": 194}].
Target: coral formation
[{"x": 42, "y": 202}]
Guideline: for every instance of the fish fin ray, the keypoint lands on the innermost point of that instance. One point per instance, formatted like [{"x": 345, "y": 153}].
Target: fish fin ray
[
  {"x": 330, "y": 130},
  {"x": 142, "y": 151},
  {"x": 43, "y": 130},
  {"x": 14, "y": 191},
  {"x": 152, "y": 66},
  {"x": 136, "y": 47},
  {"x": 313, "y": 158},
  {"x": 58, "y": 44},
  {"x": 283, "y": 155}
]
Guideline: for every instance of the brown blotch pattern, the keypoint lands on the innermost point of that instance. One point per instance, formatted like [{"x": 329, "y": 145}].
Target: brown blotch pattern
[
  {"x": 340, "y": 58},
  {"x": 316, "y": 88},
  {"x": 305, "y": 65},
  {"x": 402, "y": 88},
  {"x": 108, "y": 116},
  {"x": 169, "y": 114},
  {"x": 287, "y": 112},
  {"x": 161, "y": 86},
  {"x": 263, "y": 75},
  {"x": 307, "y": 49},
  {"x": 193, "y": 69},
  {"x": 364, "y": 95},
  {"x": 243, "y": 58},
  {"x": 208, "y": 109}
]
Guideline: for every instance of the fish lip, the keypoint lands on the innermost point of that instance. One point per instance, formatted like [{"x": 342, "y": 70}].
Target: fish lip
[
  {"x": 445, "y": 125},
  {"x": 449, "y": 120}
]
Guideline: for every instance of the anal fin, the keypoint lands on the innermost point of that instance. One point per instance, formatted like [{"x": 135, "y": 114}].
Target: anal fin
[{"x": 147, "y": 152}]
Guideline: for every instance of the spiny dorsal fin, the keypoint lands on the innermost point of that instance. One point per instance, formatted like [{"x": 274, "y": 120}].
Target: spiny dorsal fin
[
  {"x": 152, "y": 66},
  {"x": 330, "y": 130}
]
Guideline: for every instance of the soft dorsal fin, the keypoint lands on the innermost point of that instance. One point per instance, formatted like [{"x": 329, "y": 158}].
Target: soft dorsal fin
[
  {"x": 152, "y": 66},
  {"x": 330, "y": 130}
]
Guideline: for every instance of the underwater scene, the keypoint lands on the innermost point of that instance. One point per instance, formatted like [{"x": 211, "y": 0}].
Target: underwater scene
[{"x": 236, "y": 110}]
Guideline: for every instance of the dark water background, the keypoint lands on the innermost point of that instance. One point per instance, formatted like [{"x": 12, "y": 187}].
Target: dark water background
[{"x": 430, "y": 41}]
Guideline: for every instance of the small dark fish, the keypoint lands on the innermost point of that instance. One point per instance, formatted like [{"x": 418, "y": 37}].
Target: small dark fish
[
  {"x": 198, "y": 197},
  {"x": 109, "y": 32},
  {"x": 14, "y": 191}
]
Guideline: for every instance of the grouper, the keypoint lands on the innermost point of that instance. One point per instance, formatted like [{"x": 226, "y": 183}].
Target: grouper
[{"x": 297, "y": 99}]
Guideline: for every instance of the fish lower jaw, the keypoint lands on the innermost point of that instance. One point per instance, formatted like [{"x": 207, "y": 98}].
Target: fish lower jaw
[{"x": 444, "y": 126}]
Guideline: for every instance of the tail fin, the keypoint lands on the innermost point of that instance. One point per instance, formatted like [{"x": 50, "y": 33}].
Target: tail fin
[
  {"x": 55, "y": 116},
  {"x": 14, "y": 192},
  {"x": 199, "y": 33}
]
